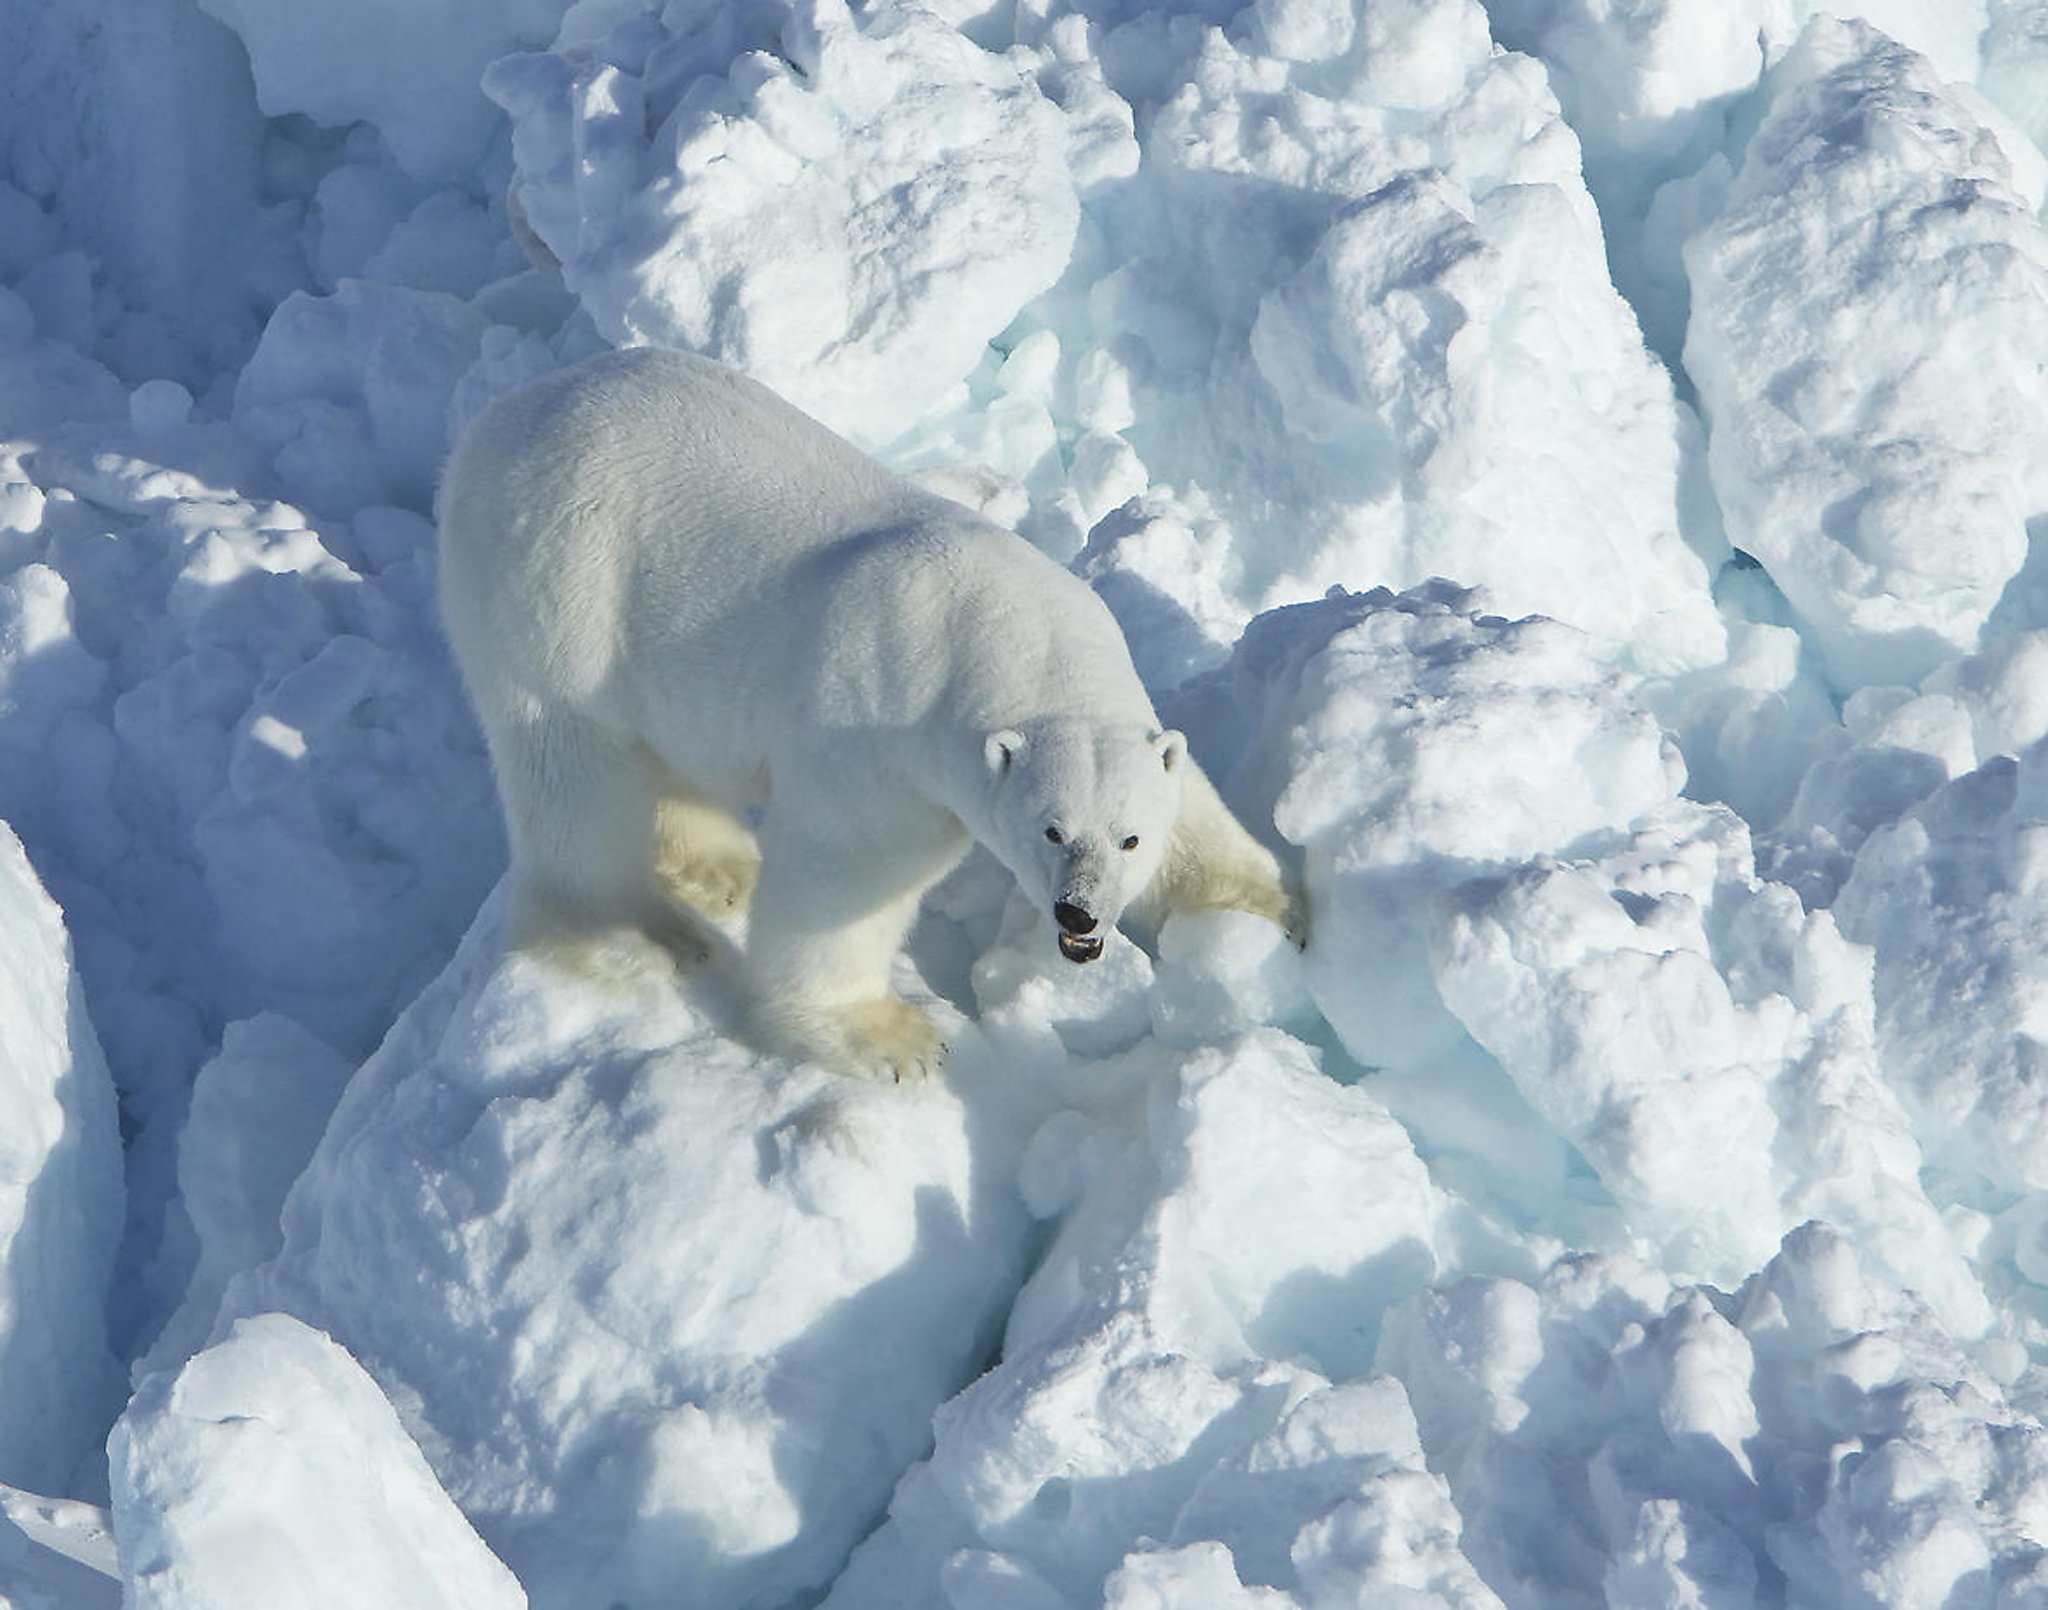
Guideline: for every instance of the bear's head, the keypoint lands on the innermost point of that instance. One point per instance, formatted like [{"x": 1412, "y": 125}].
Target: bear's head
[{"x": 1082, "y": 815}]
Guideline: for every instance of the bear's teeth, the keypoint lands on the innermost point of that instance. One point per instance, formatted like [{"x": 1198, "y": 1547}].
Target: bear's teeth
[{"x": 1077, "y": 949}]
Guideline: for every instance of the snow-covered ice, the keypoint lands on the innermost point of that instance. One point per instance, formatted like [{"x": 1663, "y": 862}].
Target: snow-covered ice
[
  {"x": 1574, "y": 469},
  {"x": 60, "y": 1195},
  {"x": 270, "y": 1470}
]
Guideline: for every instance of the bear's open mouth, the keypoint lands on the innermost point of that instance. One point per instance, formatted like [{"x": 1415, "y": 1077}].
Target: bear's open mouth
[{"x": 1080, "y": 948}]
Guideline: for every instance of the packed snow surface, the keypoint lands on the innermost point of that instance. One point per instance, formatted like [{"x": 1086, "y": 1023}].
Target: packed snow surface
[{"x": 1571, "y": 467}]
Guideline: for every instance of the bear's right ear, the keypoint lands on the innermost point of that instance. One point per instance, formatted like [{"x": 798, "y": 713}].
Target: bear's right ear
[{"x": 1001, "y": 748}]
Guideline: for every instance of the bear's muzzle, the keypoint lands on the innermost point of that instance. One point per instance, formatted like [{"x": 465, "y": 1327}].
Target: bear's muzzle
[{"x": 1078, "y": 942}]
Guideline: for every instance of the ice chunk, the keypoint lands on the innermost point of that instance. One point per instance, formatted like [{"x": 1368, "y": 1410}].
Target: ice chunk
[
  {"x": 1607, "y": 1435},
  {"x": 1862, "y": 314},
  {"x": 60, "y": 1197},
  {"x": 1708, "y": 1047},
  {"x": 849, "y": 211},
  {"x": 1368, "y": 324},
  {"x": 56, "y": 1551},
  {"x": 270, "y": 1470},
  {"x": 136, "y": 127},
  {"x": 1408, "y": 742},
  {"x": 1954, "y": 900},
  {"x": 1197, "y": 1573},
  {"x": 2015, "y": 70},
  {"x": 1650, "y": 88}
]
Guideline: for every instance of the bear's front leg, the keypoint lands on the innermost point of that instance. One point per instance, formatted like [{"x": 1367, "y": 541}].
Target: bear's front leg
[
  {"x": 1214, "y": 864},
  {"x": 830, "y": 913}
]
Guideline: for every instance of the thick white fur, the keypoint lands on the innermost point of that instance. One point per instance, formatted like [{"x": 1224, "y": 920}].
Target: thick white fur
[{"x": 677, "y": 602}]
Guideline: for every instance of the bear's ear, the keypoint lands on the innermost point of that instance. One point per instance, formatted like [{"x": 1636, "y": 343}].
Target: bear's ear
[
  {"x": 1172, "y": 748},
  {"x": 1001, "y": 748}
]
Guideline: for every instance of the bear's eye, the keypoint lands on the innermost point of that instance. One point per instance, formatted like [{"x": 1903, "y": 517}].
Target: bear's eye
[
  {"x": 1131, "y": 843},
  {"x": 1052, "y": 836}
]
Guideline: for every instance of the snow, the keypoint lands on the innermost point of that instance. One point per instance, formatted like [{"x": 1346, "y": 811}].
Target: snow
[{"x": 1574, "y": 469}]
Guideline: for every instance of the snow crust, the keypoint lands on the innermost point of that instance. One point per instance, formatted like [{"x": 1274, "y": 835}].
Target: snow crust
[{"x": 1572, "y": 467}]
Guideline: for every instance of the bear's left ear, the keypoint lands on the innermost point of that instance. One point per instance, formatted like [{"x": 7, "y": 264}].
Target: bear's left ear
[
  {"x": 1171, "y": 746},
  {"x": 1000, "y": 748}
]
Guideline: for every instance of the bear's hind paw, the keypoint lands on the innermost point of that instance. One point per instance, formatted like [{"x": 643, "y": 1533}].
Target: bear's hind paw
[
  {"x": 715, "y": 887},
  {"x": 891, "y": 1039},
  {"x": 888, "y": 1040}
]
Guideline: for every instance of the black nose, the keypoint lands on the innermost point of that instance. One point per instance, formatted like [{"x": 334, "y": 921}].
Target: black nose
[{"x": 1072, "y": 918}]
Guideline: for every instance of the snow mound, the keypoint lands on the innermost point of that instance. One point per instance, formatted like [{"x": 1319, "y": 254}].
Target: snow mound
[
  {"x": 1189, "y": 1317},
  {"x": 60, "y": 1195},
  {"x": 671, "y": 1312},
  {"x": 270, "y": 1470},
  {"x": 1365, "y": 334},
  {"x": 1699, "y": 1041},
  {"x": 1866, "y": 307},
  {"x": 849, "y": 207},
  {"x": 1616, "y": 1439}
]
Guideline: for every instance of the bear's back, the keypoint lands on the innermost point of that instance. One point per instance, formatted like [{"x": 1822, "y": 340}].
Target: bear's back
[{"x": 637, "y": 484}]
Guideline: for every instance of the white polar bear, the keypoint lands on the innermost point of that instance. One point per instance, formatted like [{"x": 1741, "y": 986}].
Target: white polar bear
[{"x": 678, "y": 602}]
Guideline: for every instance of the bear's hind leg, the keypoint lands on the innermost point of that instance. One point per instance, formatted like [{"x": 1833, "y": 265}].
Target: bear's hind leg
[
  {"x": 704, "y": 854},
  {"x": 828, "y": 919},
  {"x": 580, "y": 813}
]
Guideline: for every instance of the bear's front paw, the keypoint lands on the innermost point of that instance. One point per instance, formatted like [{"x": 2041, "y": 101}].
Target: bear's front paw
[
  {"x": 891, "y": 1039},
  {"x": 1294, "y": 921}
]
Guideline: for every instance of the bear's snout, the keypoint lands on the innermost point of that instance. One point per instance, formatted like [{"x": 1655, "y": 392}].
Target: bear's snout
[{"x": 1078, "y": 940}]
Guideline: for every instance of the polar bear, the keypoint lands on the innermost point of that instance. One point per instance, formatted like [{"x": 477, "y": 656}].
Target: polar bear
[{"x": 681, "y": 606}]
